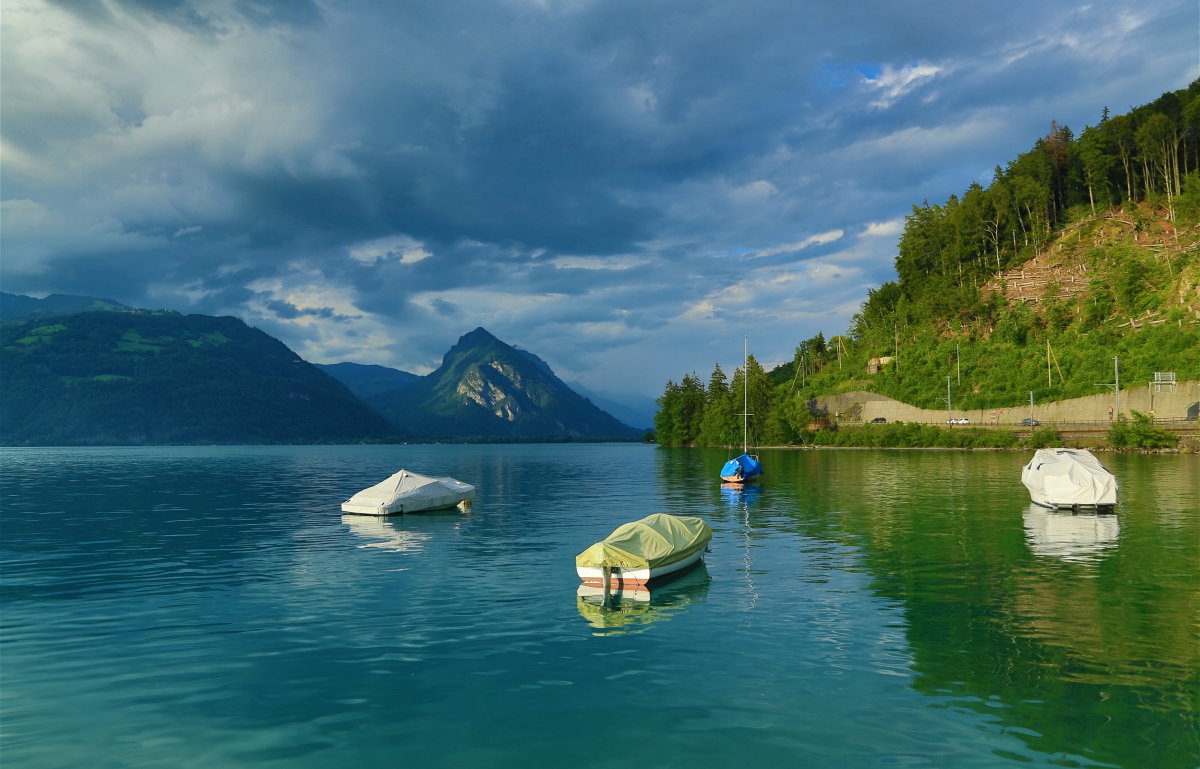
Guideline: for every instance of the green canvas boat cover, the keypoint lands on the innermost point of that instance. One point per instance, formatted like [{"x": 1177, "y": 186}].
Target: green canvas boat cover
[{"x": 654, "y": 541}]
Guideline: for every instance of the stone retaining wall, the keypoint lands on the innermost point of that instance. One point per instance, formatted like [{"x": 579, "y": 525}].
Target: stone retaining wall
[{"x": 1182, "y": 403}]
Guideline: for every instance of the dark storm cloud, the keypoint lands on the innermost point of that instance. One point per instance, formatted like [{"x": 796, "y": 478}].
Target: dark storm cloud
[{"x": 613, "y": 185}]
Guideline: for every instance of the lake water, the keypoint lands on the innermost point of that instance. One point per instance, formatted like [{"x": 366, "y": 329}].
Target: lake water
[{"x": 211, "y": 607}]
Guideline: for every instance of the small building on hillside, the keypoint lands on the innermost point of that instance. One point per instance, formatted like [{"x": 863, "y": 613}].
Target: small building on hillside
[{"x": 875, "y": 365}]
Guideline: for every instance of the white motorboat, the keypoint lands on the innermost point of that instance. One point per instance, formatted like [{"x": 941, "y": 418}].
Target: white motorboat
[
  {"x": 1069, "y": 478},
  {"x": 407, "y": 492},
  {"x": 639, "y": 551}
]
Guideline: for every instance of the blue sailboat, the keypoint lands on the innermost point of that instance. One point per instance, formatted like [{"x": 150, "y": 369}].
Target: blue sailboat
[{"x": 747, "y": 467}]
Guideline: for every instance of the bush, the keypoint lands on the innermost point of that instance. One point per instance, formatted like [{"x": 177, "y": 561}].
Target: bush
[
  {"x": 1140, "y": 434},
  {"x": 1043, "y": 438}
]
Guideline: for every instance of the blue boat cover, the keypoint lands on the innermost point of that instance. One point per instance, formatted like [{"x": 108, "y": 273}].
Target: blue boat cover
[{"x": 750, "y": 467}]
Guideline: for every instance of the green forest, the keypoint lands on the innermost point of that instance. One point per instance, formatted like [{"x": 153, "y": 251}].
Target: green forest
[{"x": 1083, "y": 248}]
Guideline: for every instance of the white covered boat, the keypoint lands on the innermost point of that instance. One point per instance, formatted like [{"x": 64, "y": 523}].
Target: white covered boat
[
  {"x": 637, "y": 552},
  {"x": 407, "y": 492},
  {"x": 1069, "y": 478}
]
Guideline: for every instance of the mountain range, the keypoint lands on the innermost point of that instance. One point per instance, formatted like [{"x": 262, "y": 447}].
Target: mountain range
[
  {"x": 85, "y": 371},
  {"x": 140, "y": 377},
  {"x": 16, "y": 306},
  {"x": 368, "y": 380}
]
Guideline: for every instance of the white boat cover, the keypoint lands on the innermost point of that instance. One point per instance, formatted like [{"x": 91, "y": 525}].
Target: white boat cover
[
  {"x": 1069, "y": 478},
  {"x": 407, "y": 492}
]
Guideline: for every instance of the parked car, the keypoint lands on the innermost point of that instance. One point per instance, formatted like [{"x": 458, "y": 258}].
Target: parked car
[
  {"x": 958, "y": 421},
  {"x": 879, "y": 421},
  {"x": 1029, "y": 422}
]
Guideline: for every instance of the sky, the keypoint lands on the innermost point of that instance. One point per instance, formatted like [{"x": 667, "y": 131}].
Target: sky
[{"x": 626, "y": 189}]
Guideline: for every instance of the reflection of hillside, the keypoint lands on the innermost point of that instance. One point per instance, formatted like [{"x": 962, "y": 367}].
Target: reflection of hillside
[
  {"x": 627, "y": 611},
  {"x": 1078, "y": 637},
  {"x": 1079, "y": 655},
  {"x": 1080, "y": 537}
]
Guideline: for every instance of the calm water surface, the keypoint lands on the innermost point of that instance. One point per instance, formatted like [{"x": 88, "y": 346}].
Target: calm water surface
[{"x": 211, "y": 607}]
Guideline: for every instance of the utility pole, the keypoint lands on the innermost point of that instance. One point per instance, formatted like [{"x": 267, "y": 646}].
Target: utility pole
[
  {"x": 958, "y": 362},
  {"x": 949, "y": 409},
  {"x": 1031, "y": 405},
  {"x": 1117, "y": 385}
]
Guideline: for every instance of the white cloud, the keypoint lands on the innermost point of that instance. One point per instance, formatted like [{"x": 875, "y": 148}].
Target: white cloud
[
  {"x": 705, "y": 309},
  {"x": 612, "y": 263},
  {"x": 925, "y": 144},
  {"x": 399, "y": 248},
  {"x": 755, "y": 191},
  {"x": 894, "y": 83},
  {"x": 21, "y": 216},
  {"x": 820, "y": 239},
  {"x": 886, "y": 229},
  {"x": 825, "y": 273},
  {"x": 139, "y": 93}
]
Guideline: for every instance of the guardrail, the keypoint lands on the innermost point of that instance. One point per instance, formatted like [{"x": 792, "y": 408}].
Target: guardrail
[{"x": 1178, "y": 422}]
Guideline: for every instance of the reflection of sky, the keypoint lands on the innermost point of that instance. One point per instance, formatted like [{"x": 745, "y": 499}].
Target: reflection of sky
[{"x": 1079, "y": 537}]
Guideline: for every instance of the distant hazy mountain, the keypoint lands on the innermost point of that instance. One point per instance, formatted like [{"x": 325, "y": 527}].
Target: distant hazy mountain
[
  {"x": 139, "y": 377},
  {"x": 367, "y": 381},
  {"x": 17, "y": 306},
  {"x": 632, "y": 409},
  {"x": 487, "y": 389},
  {"x": 635, "y": 411}
]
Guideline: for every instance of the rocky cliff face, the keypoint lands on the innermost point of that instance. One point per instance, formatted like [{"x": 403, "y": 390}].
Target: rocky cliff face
[
  {"x": 478, "y": 386},
  {"x": 487, "y": 389}
]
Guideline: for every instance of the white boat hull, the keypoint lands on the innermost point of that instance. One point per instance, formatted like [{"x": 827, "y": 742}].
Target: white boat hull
[{"x": 625, "y": 579}]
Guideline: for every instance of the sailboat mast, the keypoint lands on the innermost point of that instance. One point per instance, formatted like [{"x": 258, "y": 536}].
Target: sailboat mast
[{"x": 745, "y": 393}]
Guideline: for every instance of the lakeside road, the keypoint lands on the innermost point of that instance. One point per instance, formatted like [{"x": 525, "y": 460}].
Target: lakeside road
[{"x": 1178, "y": 403}]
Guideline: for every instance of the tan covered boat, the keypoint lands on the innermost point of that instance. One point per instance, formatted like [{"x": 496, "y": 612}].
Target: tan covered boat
[{"x": 637, "y": 552}]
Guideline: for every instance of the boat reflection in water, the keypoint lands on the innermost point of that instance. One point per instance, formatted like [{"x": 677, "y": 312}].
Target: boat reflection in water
[
  {"x": 386, "y": 533},
  {"x": 740, "y": 497},
  {"x": 631, "y": 610},
  {"x": 1080, "y": 537}
]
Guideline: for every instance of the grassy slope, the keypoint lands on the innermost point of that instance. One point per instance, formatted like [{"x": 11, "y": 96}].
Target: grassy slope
[{"x": 1134, "y": 295}]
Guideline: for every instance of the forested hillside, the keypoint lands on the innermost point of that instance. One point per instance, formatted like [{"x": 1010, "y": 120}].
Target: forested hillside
[
  {"x": 140, "y": 377},
  {"x": 1082, "y": 249}
]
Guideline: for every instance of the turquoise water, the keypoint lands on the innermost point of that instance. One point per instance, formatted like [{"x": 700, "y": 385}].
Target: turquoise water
[{"x": 211, "y": 607}]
